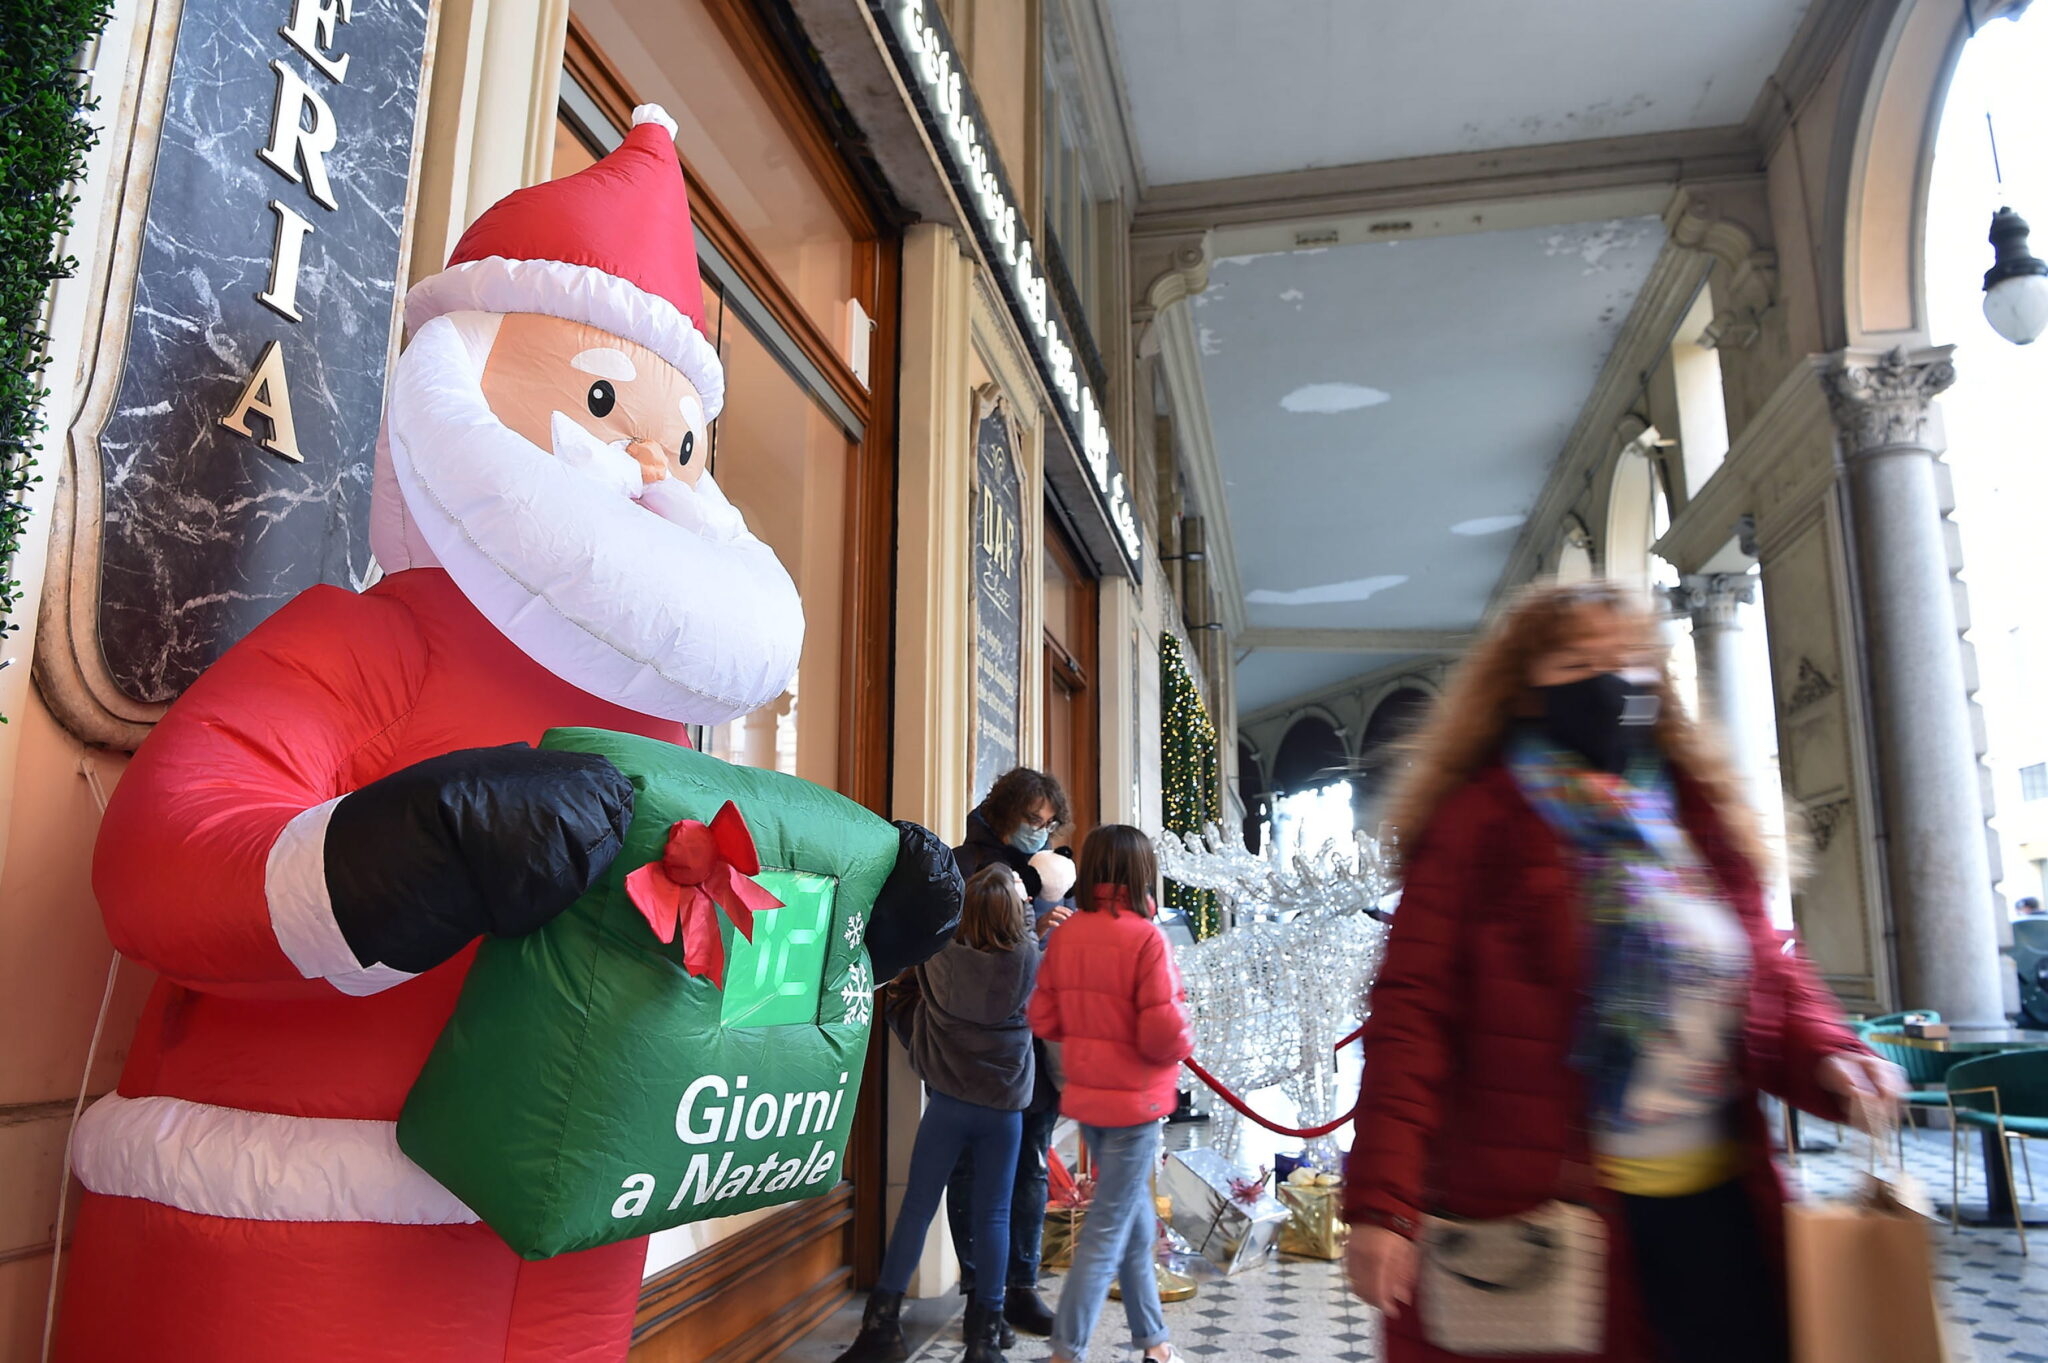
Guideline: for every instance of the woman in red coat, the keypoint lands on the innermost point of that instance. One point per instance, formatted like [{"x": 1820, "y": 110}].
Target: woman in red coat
[{"x": 1582, "y": 999}]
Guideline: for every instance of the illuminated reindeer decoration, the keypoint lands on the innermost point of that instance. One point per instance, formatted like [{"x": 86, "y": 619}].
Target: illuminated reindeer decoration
[{"x": 1288, "y": 978}]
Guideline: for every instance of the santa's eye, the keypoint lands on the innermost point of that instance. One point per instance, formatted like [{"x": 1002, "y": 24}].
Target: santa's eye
[
  {"x": 601, "y": 398},
  {"x": 689, "y": 447}
]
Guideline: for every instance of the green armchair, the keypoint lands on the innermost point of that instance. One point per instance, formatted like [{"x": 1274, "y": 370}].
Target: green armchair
[{"x": 2006, "y": 1093}]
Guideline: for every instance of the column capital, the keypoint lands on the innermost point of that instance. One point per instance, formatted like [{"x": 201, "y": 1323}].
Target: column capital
[
  {"x": 1165, "y": 269},
  {"x": 1884, "y": 403},
  {"x": 1712, "y": 599}
]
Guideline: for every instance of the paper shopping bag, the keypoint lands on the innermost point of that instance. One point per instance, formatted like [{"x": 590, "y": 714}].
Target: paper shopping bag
[{"x": 1861, "y": 1281}]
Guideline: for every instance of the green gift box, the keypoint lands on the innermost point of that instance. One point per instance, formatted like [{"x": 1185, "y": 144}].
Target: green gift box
[{"x": 590, "y": 1088}]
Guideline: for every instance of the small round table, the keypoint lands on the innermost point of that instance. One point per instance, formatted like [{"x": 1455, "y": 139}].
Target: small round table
[{"x": 1964, "y": 1043}]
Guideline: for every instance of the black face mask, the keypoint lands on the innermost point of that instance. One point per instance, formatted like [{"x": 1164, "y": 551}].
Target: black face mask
[{"x": 1608, "y": 720}]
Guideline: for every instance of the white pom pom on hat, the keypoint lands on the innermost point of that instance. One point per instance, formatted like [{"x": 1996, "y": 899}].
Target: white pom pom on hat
[{"x": 655, "y": 114}]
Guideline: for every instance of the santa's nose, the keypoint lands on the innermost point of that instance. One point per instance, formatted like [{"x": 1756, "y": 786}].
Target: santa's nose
[{"x": 653, "y": 460}]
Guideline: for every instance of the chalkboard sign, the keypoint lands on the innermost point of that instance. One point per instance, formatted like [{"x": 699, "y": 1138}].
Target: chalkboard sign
[
  {"x": 234, "y": 462},
  {"x": 998, "y": 597}
]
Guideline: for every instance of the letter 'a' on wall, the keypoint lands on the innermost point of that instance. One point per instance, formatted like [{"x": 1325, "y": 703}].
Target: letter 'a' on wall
[{"x": 248, "y": 314}]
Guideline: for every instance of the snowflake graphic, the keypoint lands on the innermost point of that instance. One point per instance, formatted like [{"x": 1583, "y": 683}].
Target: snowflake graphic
[
  {"x": 856, "y": 929},
  {"x": 858, "y": 996}
]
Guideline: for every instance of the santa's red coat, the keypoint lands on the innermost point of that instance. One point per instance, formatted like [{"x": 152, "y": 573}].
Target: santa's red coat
[
  {"x": 1470, "y": 1106},
  {"x": 250, "y": 1200}
]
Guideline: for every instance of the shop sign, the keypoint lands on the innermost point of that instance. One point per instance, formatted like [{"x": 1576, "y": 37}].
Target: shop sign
[
  {"x": 998, "y": 597},
  {"x": 936, "y": 74},
  {"x": 252, "y": 313}
]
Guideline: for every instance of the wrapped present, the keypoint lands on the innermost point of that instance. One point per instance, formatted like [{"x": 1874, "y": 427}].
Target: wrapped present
[
  {"x": 1315, "y": 1222},
  {"x": 1169, "y": 1251},
  {"x": 1230, "y": 1219},
  {"x": 686, "y": 1040},
  {"x": 1062, "y": 1232},
  {"x": 1066, "y": 1208}
]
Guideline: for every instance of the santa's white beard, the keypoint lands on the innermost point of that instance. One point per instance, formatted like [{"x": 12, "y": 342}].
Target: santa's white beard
[
  {"x": 701, "y": 507},
  {"x": 666, "y": 604}
]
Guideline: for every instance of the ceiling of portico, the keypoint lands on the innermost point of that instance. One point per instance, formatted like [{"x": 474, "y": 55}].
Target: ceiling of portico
[
  {"x": 1480, "y": 185},
  {"x": 1218, "y": 89},
  {"x": 1385, "y": 416}
]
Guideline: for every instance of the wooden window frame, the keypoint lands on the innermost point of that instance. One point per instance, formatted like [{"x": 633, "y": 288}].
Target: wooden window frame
[
  {"x": 694, "y": 1288},
  {"x": 1074, "y": 661}
]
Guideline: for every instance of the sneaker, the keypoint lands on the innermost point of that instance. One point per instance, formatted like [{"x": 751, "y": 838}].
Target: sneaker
[{"x": 1173, "y": 1355}]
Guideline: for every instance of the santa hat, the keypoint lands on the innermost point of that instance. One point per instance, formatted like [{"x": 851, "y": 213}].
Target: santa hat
[{"x": 610, "y": 245}]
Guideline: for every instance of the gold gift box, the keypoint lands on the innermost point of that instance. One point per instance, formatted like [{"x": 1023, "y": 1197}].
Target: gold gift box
[
  {"x": 1062, "y": 1231},
  {"x": 1315, "y": 1225}
]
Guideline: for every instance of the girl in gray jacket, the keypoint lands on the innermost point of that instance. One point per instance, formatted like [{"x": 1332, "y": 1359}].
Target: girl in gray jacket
[{"x": 970, "y": 1044}]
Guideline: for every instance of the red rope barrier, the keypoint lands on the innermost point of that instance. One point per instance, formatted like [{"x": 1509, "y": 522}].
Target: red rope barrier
[{"x": 1307, "y": 1133}]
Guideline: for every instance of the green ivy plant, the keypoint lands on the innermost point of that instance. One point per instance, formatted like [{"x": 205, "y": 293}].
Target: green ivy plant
[{"x": 43, "y": 141}]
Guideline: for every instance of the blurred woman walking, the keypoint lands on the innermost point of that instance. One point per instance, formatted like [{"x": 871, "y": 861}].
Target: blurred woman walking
[{"x": 1581, "y": 1000}]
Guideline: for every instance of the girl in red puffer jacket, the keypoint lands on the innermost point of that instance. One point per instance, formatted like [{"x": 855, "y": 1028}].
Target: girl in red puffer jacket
[{"x": 1109, "y": 995}]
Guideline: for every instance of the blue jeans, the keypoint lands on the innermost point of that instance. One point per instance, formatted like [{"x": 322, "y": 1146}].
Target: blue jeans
[
  {"x": 1027, "y": 1205},
  {"x": 1117, "y": 1239},
  {"x": 948, "y": 1127}
]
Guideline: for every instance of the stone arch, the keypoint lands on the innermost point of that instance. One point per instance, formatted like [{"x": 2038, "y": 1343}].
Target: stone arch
[
  {"x": 1883, "y": 164},
  {"x": 1310, "y": 753},
  {"x": 1631, "y": 514},
  {"x": 1393, "y": 718}
]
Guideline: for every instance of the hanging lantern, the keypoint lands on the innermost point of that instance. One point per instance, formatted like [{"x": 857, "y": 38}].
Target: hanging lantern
[{"x": 2016, "y": 286}]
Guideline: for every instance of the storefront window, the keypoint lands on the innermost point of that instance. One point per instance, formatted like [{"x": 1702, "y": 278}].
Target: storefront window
[
  {"x": 739, "y": 146},
  {"x": 794, "y": 449},
  {"x": 783, "y": 461},
  {"x": 1077, "y": 205}
]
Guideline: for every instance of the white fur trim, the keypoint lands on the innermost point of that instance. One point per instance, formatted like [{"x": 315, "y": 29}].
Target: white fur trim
[
  {"x": 654, "y": 113},
  {"x": 302, "y": 916},
  {"x": 256, "y": 1166},
  {"x": 579, "y": 293}
]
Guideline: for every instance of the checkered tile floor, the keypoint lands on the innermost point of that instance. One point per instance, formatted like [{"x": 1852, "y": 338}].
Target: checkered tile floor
[{"x": 1995, "y": 1300}]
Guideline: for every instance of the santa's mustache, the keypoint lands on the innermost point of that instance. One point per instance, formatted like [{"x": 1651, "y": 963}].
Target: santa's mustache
[{"x": 702, "y": 508}]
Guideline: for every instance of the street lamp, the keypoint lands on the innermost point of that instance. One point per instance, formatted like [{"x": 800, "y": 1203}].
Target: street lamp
[{"x": 2016, "y": 285}]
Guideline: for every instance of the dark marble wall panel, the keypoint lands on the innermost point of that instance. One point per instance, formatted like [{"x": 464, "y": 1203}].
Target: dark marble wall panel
[
  {"x": 206, "y": 531},
  {"x": 998, "y": 600}
]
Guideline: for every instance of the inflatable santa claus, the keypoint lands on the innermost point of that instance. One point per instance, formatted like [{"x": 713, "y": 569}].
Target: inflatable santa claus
[{"x": 311, "y": 842}]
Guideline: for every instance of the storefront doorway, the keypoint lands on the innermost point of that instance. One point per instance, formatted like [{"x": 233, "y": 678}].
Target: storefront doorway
[
  {"x": 1072, "y": 697},
  {"x": 800, "y": 291}
]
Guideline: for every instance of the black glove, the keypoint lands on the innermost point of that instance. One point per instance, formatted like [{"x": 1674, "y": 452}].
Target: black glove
[
  {"x": 484, "y": 840},
  {"x": 919, "y": 906}
]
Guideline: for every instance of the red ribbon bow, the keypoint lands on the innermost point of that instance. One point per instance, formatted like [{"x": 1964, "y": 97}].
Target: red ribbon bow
[
  {"x": 1067, "y": 1191},
  {"x": 702, "y": 867},
  {"x": 1249, "y": 1190}
]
